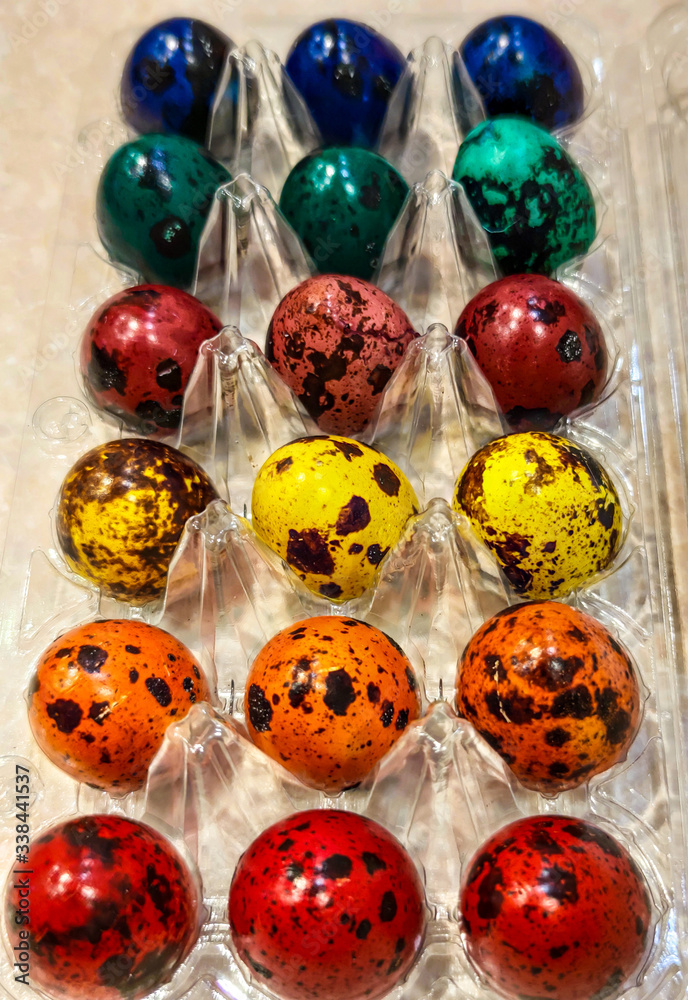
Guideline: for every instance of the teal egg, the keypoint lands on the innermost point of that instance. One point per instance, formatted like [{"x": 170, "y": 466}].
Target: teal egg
[
  {"x": 530, "y": 197},
  {"x": 343, "y": 201},
  {"x": 153, "y": 200}
]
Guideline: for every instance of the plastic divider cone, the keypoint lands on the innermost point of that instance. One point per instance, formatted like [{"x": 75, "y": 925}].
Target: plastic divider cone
[
  {"x": 434, "y": 105},
  {"x": 260, "y": 123},
  {"x": 437, "y": 256},
  {"x": 249, "y": 257}
]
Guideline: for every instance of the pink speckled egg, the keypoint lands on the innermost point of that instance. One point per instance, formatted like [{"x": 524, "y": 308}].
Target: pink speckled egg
[{"x": 335, "y": 341}]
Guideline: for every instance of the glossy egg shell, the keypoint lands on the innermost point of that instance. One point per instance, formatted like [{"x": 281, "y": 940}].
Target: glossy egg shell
[
  {"x": 552, "y": 691},
  {"x": 153, "y": 200},
  {"x": 343, "y": 202},
  {"x": 121, "y": 511},
  {"x": 520, "y": 67},
  {"x": 113, "y": 912},
  {"x": 336, "y": 341},
  {"x": 540, "y": 347},
  {"x": 545, "y": 507},
  {"x": 171, "y": 76},
  {"x": 554, "y": 906},
  {"x": 346, "y": 73},
  {"x": 531, "y": 199},
  {"x": 139, "y": 350},
  {"x": 327, "y": 905},
  {"x": 332, "y": 508},
  {"x": 103, "y": 695},
  {"x": 328, "y": 697}
]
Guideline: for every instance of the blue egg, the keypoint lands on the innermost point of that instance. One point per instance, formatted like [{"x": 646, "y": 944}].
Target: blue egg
[
  {"x": 171, "y": 76},
  {"x": 521, "y": 68},
  {"x": 346, "y": 73}
]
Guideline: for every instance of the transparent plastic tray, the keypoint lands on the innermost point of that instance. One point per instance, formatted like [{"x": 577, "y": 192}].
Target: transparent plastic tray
[{"x": 440, "y": 790}]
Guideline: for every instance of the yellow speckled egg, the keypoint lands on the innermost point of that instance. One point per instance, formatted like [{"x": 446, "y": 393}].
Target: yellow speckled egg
[
  {"x": 332, "y": 508},
  {"x": 121, "y": 511},
  {"x": 545, "y": 507}
]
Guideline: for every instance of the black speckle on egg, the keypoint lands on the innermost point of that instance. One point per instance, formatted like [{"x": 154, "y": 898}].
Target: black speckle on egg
[
  {"x": 569, "y": 347},
  {"x": 259, "y": 709},
  {"x": 336, "y": 866},
  {"x": 160, "y": 690},
  {"x": 308, "y": 551},
  {"x": 65, "y": 714},
  {"x": 373, "y": 692},
  {"x": 363, "y": 929},
  {"x": 171, "y": 238},
  {"x": 559, "y": 883},
  {"x": 168, "y": 375},
  {"x": 387, "y": 714},
  {"x": 91, "y": 658},
  {"x": 99, "y": 711},
  {"x": 339, "y": 694},
  {"x": 388, "y": 907},
  {"x": 386, "y": 479},
  {"x": 354, "y": 516},
  {"x": 490, "y": 898}
]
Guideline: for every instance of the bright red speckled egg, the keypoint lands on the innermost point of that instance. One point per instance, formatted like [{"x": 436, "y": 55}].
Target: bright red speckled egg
[
  {"x": 327, "y": 905},
  {"x": 336, "y": 341},
  {"x": 554, "y": 906},
  {"x": 540, "y": 347},
  {"x": 328, "y": 697},
  {"x": 139, "y": 350},
  {"x": 112, "y": 909},
  {"x": 552, "y": 691},
  {"x": 103, "y": 695}
]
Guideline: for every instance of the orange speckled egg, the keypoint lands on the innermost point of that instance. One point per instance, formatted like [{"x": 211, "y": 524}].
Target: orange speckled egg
[
  {"x": 103, "y": 695},
  {"x": 552, "y": 691},
  {"x": 328, "y": 697}
]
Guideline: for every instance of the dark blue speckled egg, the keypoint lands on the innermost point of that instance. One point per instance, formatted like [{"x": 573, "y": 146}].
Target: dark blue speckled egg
[
  {"x": 346, "y": 73},
  {"x": 171, "y": 76},
  {"x": 521, "y": 68}
]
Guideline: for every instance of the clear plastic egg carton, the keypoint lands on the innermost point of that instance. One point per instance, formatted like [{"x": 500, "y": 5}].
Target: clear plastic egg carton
[{"x": 441, "y": 790}]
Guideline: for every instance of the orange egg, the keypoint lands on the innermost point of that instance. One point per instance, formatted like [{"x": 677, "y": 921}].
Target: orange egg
[
  {"x": 103, "y": 695},
  {"x": 552, "y": 691},
  {"x": 328, "y": 697}
]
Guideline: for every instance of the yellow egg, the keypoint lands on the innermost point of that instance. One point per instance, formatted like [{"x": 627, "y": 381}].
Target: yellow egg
[
  {"x": 121, "y": 511},
  {"x": 332, "y": 508},
  {"x": 547, "y": 509}
]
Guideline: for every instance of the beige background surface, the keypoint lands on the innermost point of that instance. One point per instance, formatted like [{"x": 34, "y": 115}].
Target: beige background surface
[{"x": 46, "y": 61}]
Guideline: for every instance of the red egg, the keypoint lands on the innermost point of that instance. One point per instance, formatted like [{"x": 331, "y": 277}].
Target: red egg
[
  {"x": 540, "y": 347},
  {"x": 103, "y": 909},
  {"x": 327, "y": 905},
  {"x": 336, "y": 341},
  {"x": 554, "y": 906},
  {"x": 139, "y": 350}
]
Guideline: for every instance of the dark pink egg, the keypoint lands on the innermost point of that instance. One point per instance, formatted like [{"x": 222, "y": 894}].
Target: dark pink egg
[
  {"x": 336, "y": 342},
  {"x": 539, "y": 346},
  {"x": 138, "y": 352}
]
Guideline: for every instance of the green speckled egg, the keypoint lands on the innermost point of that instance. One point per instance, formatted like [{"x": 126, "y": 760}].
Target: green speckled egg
[
  {"x": 153, "y": 200},
  {"x": 343, "y": 202},
  {"x": 545, "y": 507},
  {"x": 529, "y": 195}
]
